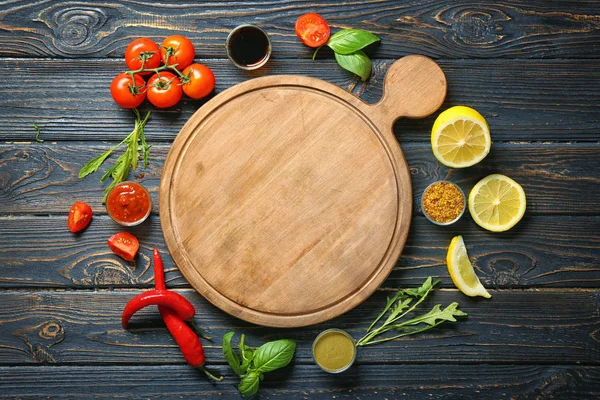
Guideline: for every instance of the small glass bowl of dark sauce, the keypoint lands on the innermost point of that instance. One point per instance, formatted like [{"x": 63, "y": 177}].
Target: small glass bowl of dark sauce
[{"x": 248, "y": 47}]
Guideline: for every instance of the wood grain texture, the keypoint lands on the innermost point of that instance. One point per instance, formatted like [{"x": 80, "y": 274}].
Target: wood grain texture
[
  {"x": 532, "y": 68},
  {"x": 286, "y": 201},
  {"x": 493, "y": 382},
  {"x": 490, "y": 29},
  {"x": 522, "y": 100},
  {"x": 39, "y": 252},
  {"x": 81, "y": 327},
  {"x": 557, "y": 178}
]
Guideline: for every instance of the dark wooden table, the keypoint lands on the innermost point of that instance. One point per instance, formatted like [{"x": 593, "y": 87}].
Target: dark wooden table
[{"x": 532, "y": 68}]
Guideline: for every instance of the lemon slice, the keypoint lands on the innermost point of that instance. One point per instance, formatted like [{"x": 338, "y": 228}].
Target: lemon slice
[
  {"x": 497, "y": 203},
  {"x": 461, "y": 270},
  {"x": 460, "y": 137}
]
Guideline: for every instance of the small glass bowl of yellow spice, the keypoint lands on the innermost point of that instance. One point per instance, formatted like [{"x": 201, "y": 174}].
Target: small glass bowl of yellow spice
[{"x": 443, "y": 203}]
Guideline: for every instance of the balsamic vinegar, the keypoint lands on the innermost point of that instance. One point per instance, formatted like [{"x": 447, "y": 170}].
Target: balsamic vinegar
[{"x": 248, "y": 46}]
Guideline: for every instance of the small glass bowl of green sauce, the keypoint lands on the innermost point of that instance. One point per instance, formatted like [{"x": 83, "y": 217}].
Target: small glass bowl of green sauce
[{"x": 334, "y": 351}]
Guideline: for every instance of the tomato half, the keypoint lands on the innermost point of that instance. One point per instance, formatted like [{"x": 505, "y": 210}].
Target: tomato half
[
  {"x": 124, "y": 244},
  {"x": 134, "y": 51},
  {"x": 201, "y": 83},
  {"x": 79, "y": 216},
  {"x": 178, "y": 50},
  {"x": 126, "y": 91},
  {"x": 165, "y": 90},
  {"x": 312, "y": 29}
]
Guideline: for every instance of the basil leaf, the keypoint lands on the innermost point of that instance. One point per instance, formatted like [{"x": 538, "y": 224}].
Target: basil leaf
[
  {"x": 249, "y": 384},
  {"x": 230, "y": 354},
  {"x": 347, "y": 41},
  {"x": 357, "y": 63},
  {"x": 274, "y": 355}
]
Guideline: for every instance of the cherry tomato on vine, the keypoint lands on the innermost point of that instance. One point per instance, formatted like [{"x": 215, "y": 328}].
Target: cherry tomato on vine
[
  {"x": 134, "y": 52},
  {"x": 165, "y": 90},
  {"x": 201, "y": 83},
  {"x": 178, "y": 50},
  {"x": 124, "y": 244},
  {"x": 79, "y": 216},
  {"x": 312, "y": 30},
  {"x": 126, "y": 91}
]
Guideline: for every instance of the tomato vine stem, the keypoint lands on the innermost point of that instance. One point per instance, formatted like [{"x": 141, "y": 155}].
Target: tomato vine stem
[{"x": 166, "y": 67}]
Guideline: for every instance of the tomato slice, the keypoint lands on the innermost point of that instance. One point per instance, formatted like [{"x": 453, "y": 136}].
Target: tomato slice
[
  {"x": 312, "y": 29},
  {"x": 124, "y": 244},
  {"x": 79, "y": 216}
]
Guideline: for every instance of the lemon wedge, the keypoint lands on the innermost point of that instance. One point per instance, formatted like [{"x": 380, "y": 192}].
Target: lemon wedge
[
  {"x": 460, "y": 137},
  {"x": 461, "y": 270},
  {"x": 497, "y": 203}
]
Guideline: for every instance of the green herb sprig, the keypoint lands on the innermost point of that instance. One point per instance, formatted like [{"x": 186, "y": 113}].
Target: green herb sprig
[
  {"x": 347, "y": 45},
  {"x": 37, "y": 133},
  {"x": 251, "y": 364},
  {"x": 404, "y": 302},
  {"x": 119, "y": 172}
]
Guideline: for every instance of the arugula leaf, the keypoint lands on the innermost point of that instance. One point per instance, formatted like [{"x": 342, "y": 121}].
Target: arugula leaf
[
  {"x": 398, "y": 310},
  {"x": 230, "y": 354},
  {"x": 348, "y": 41},
  {"x": 145, "y": 149},
  {"x": 95, "y": 163},
  {"x": 358, "y": 63},
  {"x": 119, "y": 172},
  {"x": 437, "y": 313},
  {"x": 423, "y": 289},
  {"x": 274, "y": 355},
  {"x": 400, "y": 305},
  {"x": 249, "y": 384}
]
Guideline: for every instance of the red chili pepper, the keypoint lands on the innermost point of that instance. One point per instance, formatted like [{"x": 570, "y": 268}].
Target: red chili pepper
[
  {"x": 159, "y": 271},
  {"x": 187, "y": 340},
  {"x": 184, "y": 309},
  {"x": 159, "y": 284},
  {"x": 175, "y": 310}
]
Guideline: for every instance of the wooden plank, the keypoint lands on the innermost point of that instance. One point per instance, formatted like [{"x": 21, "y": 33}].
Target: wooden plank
[
  {"x": 558, "y": 178},
  {"x": 540, "y": 29},
  {"x": 81, "y": 327},
  {"x": 540, "y": 252},
  {"x": 307, "y": 382},
  {"x": 523, "y": 100}
]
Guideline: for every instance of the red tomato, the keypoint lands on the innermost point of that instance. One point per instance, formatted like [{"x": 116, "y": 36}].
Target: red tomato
[
  {"x": 124, "y": 244},
  {"x": 202, "y": 81},
  {"x": 79, "y": 216},
  {"x": 165, "y": 90},
  {"x": 312, "y": 29},
  {"x": 134, "y": 51},
  {"x": 178, "y": 50},
  {"x": 125, "y": 92}
]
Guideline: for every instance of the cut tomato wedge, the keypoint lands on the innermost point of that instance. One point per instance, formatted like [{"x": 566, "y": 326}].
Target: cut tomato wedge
[
  {"x": 312, "y": 30},
  {"x": 79, "y": 216},
  {"x": 125, "y": 245}
]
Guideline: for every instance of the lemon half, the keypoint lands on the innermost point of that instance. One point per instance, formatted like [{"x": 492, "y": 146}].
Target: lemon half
[
  {"x": 460, "y": 137},
  {"x": 497, "y": 203},
  {"x": 461, "y": 270}
]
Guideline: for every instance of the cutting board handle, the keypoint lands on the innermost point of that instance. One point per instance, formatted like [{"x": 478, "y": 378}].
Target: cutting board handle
[{"x": 414, "y": 87}]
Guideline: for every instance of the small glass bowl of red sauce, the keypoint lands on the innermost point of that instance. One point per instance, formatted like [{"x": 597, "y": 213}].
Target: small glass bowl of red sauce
[{"x": 129, "y": 203}]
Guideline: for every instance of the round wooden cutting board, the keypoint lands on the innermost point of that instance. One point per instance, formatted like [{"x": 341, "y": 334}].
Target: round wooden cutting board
[{"x": 286, "y": 200}]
